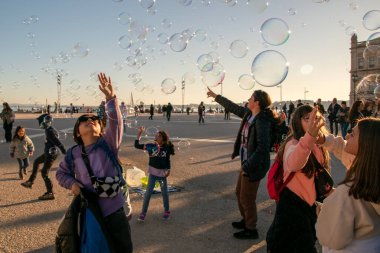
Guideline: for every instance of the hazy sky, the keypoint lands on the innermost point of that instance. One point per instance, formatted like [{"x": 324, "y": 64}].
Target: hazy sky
[{"x": 33, "y": 50}]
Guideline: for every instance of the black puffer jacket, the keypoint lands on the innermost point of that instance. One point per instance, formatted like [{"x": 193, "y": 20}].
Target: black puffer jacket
[{"x": 259, "y": 139}]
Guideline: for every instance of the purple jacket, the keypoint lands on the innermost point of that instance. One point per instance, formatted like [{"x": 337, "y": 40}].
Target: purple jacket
[{"x": 101, "y": 165}]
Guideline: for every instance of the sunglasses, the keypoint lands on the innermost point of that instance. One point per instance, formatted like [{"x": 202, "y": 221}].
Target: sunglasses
[{"x": 85, "y": 118}]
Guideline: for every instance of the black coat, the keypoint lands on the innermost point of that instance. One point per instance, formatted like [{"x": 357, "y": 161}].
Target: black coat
[{"x": 259, "y": 139}]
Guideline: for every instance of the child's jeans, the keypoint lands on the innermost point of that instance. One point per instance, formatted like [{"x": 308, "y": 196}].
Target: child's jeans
[
  {"x": 23, "y": 163},
  {"x": 149, "y": 191}
]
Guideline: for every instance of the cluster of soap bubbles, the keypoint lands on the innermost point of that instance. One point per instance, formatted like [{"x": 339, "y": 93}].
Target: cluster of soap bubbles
[
  {"x": 183, "y": 146},
  {"x": 369, "y": 85}
]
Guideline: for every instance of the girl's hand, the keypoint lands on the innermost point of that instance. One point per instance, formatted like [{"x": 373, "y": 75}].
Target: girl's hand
[
  {"x": 321, "y": 138},
  {"x": 75, "y": 189},
  {"x": 210, "y": 93},
  {"x": 106, "y": 86},
  {"x": 140, "y": 130},
  {"x": 315, "y": 123}
]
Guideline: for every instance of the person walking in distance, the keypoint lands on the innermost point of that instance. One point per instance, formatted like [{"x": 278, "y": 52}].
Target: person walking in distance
[
  {"x": 8, "y": 117},
  {"x": 169, "y": 109},
  {"x": 151, "y": 111},
  {"x": 201, "y": 113},
  {"x": 333, "y": 116}
]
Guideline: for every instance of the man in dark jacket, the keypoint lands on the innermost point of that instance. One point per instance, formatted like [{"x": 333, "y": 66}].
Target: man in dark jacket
[
  {"x": 47, "y": 158},
  {"x": 253, "y": 146},
  {"x": 333, "y": 116},
  {"x": 169, "y": 109}
]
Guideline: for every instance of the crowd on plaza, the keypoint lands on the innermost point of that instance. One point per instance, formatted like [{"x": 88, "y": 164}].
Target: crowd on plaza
[{"x": 308, "y": 208}]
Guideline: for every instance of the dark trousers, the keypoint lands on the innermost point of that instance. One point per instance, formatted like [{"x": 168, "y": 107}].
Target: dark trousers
[
  {"x": 246, "y": 193},
  {"x": 201, "y": 118},
  {"x": 47, "y": 160},
  {"x": 293, "y": 226},
  {"x": 168, "y": 114},
  {"x": 332, "y": 123},
  {"x": 8, "y": 131},
  {"x": 118, "y": 227},
  {"x": 151, "y": 117},
  {"x": 344, "y": 127},
  {"x": 23, "y": 163}
]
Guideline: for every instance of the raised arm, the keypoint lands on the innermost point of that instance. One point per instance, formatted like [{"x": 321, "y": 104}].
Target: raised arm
[
  {"x": 114, "y": 131},
  {"x": 228, "y": 104}
]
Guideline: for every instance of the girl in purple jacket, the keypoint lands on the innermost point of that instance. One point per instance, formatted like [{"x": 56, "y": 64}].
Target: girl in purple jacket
[{"x": 90, "y": 135}]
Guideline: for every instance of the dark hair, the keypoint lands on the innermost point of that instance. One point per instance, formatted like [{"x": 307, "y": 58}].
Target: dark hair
[
  {"x": 7, "y": 107},
  {"x": 263, "y": 98},
  {"x": 16, "y": 131},
  {"x": 344, "y": 103},
  {"x": 363, "y": 177},
  {"x": 166, "y": 142},
  {"x": 296, "y": 132},
  {"x": 354, "y": 110},
  {"x": 76, "y": 136}
]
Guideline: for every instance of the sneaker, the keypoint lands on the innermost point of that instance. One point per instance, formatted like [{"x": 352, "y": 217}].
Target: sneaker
[
  {"x": 27, "y": 184},
  {"x": 166, "y": 215},
  {"x": 247, "y": 234},
  {"x": 46, "y": 196},
  {"x": 238, "y": 224},
  {"x": 141, "y": 217}
]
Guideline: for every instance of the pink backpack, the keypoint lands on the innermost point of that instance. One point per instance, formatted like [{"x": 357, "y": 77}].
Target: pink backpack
[{"x": 275, "y": 183}]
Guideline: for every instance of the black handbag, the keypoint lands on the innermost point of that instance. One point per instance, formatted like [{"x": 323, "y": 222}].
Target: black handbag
[{"x": 322, "y": 180}]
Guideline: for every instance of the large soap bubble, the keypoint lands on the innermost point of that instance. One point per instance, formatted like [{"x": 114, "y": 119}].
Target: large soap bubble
[
  {"x": 275, "y": 31},
  {"x": 269, "y": 68},
  {"x": 214, "y": 77},
  {"x": 371, "y": 20},
  {"x": 372, "y": 38},
  {"x": 80, "y": 50},
  {"x": 238, "y": 49},
  {"x": 257, "y": 6},
  {"x": 189, "y": 78}
]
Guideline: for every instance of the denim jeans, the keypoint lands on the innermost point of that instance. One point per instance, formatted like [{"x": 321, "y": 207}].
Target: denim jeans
[
  {"x": 149, "y": 191},
  {"x": 344, "y": 127},
  {"x": 23, "y": 163}
]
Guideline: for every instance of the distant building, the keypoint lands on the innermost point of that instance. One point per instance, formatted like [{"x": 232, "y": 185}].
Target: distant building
[{"x": 364, "y": 62}]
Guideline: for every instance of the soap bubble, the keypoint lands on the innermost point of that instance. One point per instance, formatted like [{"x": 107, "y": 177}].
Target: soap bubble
[
  {"x": 53, "y": 151},
  {"x": 258, "y": 6},
  {"x": 246, "y": 82},
  {"x": 168, "y": 86},
  {"x": 292, "y": 11},
  {"x": 163, "y": 38},
  {"x": 151, "y": 131},
  {"x": 189, "y": 78},
  {"x": 183, "y": 145},
  {"x": 275, "y": 31},
  {"x": 269, "y": 68},
  {"x": 80, "y": 50},
  {"x": 213, "y": 77},
  {"x": 177, "y": 42},
  {"x": 306, "y": 69},
  {"x": 371, "y": 20},
  {"x": 147, "y": 4},
  {"x": 205, "y": 62},
  {"x": 376, "y": 92},
  {"x": 238, "y": 49},
  {"x": 124, "y": 18},
  {"x": 200, "y": 35}
]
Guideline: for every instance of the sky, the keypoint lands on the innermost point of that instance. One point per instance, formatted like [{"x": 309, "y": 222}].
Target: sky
[{"x": 78, "y": 38}]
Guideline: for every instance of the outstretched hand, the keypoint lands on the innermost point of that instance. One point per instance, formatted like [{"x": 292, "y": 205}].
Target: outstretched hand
[
  {"x": 210, "y": 93},
  {"x": 106, "y": 86},
  {"x": 316, "y": 122},
  {"x": 140, "y": 130}
]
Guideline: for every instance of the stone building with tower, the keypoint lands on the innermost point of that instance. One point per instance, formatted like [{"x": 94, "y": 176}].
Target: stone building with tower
[{"x": 365, "y": 62}]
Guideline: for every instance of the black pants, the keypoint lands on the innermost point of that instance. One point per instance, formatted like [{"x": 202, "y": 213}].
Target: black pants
[
  {"x": 293, "y": 226},
  {"x": 332, "y": 122},
  {"x": 47, "y": 160},
  {"x": 118, "y": 227},
  {"x": 8, "y": 131},
  {"x": 168, "y": 114},
  {"x": 201, "y": 118}
]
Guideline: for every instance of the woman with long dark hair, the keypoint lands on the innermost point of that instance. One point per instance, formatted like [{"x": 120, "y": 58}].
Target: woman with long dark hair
[
  {"x": 355, "y": 113},
  {"x": 349, "y": 220},
  {"x": 293, "y": 229}
]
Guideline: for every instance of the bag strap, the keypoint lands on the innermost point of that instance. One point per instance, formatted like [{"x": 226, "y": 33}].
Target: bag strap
[
  {"x": 87, "y": 163},
  {"x": 291, "y": 175}
]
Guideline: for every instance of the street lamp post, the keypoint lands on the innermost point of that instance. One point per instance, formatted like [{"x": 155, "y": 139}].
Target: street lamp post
[
  {"x": 354, "y": 78},
  {"x": 183, "y": 95}
]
